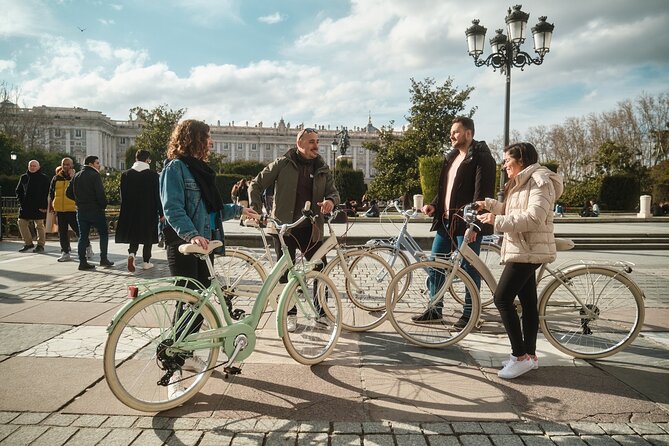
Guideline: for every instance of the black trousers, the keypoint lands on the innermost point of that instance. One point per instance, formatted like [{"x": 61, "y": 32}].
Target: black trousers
[
  {"x": 300, "y": 238},
  {"x": 146, "y": 250},
  {"x": 518, "y": 279},
  {"x": 66, "y": 220}
]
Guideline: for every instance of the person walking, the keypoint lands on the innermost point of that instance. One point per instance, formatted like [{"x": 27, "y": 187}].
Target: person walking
[
  {"x": 300, "y": 175},
  {"x": 32, "y": 191},
  {"x": 65, "y": 209},
  {"x": 140, "y": 210},
  {"x": 86, "y": 190},
  {"x": 467, "y": 174},
  {"x": 526, "y": 219}
]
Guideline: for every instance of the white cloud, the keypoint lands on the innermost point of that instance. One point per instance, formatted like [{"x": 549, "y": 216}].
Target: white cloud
[
  {"x": 272, "y": 18},
  {"x": 28, "y": 18},
  {"x": 116, "y": 7},
  {"x": 106, "y": 22},
  {"x": 7, "y": 65}
]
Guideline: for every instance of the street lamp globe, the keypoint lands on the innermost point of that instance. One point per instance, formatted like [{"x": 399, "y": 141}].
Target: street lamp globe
[
  {"x": 542, "y": 33},
  {"x": 13, "y": 156},
  {"x": 475, "y": 38},
  {"x": 516, "y": 22}
]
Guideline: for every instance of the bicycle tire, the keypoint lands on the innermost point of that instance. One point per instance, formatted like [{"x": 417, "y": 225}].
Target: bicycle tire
[
  {"x": 136, "y": 350},
  {"x": 314, "y": 337},
  {"x": 365, "y": 284},
  {"x": 416, "y": 301},
  {"x": 490, "y": 255},
  {"x": 241, "y": 276},
  {"x": 609, "y": 319}
]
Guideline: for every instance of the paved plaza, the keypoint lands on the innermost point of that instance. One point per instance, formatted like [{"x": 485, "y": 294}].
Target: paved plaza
[{"x": 374, "y": 390}]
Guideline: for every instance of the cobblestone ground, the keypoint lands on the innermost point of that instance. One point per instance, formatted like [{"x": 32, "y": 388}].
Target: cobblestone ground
[{"x": 62, "y": 429}]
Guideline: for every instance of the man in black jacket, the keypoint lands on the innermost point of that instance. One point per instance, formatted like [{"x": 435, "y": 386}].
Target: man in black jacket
[
  {"x": 33, "y": 195},
  {"x": 87, "y": 192},
  {"x": 467, "y": 175}
]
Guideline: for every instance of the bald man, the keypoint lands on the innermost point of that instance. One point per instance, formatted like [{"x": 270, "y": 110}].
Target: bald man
[{"x": 33, "y": 195}]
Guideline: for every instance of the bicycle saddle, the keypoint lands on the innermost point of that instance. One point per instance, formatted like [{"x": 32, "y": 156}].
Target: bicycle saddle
[{"x": 190, "y": 248}]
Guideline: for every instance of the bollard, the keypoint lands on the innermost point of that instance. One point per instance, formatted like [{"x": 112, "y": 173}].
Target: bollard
[{"x": 644, "y": 206}]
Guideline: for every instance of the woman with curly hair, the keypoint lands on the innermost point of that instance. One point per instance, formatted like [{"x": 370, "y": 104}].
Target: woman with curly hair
[{"x": 193, "y": 208}]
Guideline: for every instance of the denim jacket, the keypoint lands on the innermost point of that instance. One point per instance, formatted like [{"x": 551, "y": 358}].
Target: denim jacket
[{"x": 183, "y": 207}]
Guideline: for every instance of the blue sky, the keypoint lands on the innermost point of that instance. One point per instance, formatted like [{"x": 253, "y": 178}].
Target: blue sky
[{"x": 324, "y": 62}]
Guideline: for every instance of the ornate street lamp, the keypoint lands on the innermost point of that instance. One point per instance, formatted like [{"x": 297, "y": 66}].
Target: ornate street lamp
[
  {"x": 13, "y": 156},
  {"x": 506, "y": 53}
]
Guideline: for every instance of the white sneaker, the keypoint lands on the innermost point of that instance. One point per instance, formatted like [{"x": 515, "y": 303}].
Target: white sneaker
[
  {"x": 292, "y": 323},
  {"x": 535, "y": 361},
  {"x": 515, "y": 368},
  {"x": 89, "y": 252},
  {"x": 147, "y": 265},
  {"x": 65, "y": 257},
  {"x": 195, "y": 364},
  {"x": 131, "y": 263},
  {"x": 175, "y": 389}
]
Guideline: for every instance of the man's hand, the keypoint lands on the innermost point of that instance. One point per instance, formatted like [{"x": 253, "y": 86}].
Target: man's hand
[
  {"x": 250, "y": 213},
  {"x": 326, "y": 206},
  {"x": 428, "y": 210}
]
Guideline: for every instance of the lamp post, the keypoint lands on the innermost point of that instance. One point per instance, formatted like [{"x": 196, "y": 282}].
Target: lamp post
[
  {"x": 13, "y": 156},
  {"x": 506, "y": 53}
]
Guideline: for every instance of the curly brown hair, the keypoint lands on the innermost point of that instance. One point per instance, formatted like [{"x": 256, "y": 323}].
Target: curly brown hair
[{"x": 189, "y": 138}]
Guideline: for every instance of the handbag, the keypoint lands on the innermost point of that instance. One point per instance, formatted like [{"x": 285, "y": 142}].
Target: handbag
[{"x": 51, "y": 224}]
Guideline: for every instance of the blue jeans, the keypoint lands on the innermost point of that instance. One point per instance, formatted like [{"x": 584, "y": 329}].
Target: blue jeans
[
  {"x": 96, "y": 219},
  {"x": 443, "y": 245}
]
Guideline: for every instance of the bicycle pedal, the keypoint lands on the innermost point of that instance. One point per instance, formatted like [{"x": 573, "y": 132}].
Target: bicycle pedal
[
  {"x": 238, "y": 314},
  {"x": 232, "y": 370}
]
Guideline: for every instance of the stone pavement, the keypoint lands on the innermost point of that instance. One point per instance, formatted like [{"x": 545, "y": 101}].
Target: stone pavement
[{"x": 375, "y": 388}]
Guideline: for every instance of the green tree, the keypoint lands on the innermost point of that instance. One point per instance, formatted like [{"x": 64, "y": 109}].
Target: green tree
[
  {"x": 430, "y": 117},
  {"x": 156, "y": 130},
  {"x": 615, "y": 159}
]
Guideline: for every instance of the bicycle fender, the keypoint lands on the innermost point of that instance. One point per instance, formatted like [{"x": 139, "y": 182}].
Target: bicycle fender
[{"x": 124, "y": 309}]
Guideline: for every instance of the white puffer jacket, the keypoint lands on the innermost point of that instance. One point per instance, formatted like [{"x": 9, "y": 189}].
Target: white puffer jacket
[{"x": 526, "y": 216}]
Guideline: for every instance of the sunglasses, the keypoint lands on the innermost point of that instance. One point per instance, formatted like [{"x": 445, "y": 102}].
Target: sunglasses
[{"x": 306, "y": 130}]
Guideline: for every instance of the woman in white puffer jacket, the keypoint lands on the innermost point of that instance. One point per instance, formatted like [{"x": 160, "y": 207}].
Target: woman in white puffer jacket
[{"x": 526, "y": 219}]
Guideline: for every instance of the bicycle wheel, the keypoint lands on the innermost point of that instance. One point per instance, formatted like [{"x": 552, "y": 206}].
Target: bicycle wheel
[
  {"x": 241, "y": 277},
  {"x": 137, "y": 354},
  {"x": 607, "y": 319},
  {"x": 491, "y": 256},
  {"x": 364, "y": 277},
  {"x": 316, "y": 312},
  {"x": 397, "y": 259},
  {"x": 440, "y": 331}
]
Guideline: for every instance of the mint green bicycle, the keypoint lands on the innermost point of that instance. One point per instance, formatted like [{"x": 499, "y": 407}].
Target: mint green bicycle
[{"x": 163, "y": 344}]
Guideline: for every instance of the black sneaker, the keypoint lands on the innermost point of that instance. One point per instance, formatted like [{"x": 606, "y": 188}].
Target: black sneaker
[
  {"x": 39, "y": 248},
  {"x": 461, "y": 323},
  {"x": 106, "y": 263},
  {"x": 431, "y": 316},
  {"x": 26, "y": 248},
  {"x": 86, "y": 267}
]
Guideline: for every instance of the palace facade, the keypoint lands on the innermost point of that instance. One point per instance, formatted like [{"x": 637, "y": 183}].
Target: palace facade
[{"x": 80, "y": 132}]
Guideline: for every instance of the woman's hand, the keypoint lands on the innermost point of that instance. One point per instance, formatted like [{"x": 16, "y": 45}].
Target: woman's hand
[
  {"x": 200, "y": 241},
  {"x": 488, "y": 218},
  {"x": 480, "y": 204}
]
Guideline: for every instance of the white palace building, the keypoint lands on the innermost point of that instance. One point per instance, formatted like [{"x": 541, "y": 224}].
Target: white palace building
[{"x": 80, "y": 132}]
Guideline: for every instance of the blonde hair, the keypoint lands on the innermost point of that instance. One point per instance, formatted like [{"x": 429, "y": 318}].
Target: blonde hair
[{"x": 189, "y": 138}]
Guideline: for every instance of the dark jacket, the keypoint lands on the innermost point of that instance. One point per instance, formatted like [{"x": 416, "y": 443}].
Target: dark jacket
[
  {"x": 140, "y": 207},
  {"x": 33, "y": 195},
  {"x": 86, "y": 190},
  {"x": 474, "y": 180}
]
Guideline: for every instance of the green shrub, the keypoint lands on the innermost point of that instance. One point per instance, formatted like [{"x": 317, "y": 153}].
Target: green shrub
[{"x": 430, "y": 169}]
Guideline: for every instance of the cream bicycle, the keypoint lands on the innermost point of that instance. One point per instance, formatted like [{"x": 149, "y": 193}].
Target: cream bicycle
[{"x": 586, "y": 310}]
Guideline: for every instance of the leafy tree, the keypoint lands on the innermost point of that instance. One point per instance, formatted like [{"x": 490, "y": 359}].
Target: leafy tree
[
  {"x": 8, "y": 145},
  {"x": 430, "y": 117},
  {"x": 156, "y": 130},
  {"x": 659, "y": 178},
  {"x": 615, "y": 159},
  {"x": 430, "y": 169}
]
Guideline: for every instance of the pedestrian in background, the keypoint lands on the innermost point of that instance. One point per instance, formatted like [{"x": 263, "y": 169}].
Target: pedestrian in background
[
  {"x": 87, "y": 192},
  {"x": 140, "y": 210},
  {"x": 32, "y": 191},
  {"x": 526, "y": 219},
  {"x": 64, "y": 208}
]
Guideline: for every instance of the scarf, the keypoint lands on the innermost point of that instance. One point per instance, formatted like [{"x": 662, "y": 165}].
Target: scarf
[{"x": 205, "y": 178}]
